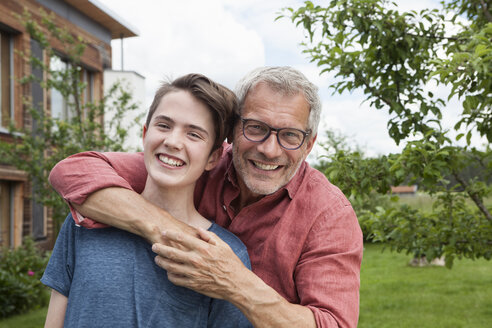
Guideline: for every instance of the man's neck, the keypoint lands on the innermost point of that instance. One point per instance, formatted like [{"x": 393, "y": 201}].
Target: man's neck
[{"x": 246, "y": 197}]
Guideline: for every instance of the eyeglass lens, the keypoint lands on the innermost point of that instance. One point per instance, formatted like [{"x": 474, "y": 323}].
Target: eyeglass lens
[{"x": 258, "y": 131}]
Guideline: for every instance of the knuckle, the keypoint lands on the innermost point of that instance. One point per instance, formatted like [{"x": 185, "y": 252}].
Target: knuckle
[{"x": 195, "y": 261}]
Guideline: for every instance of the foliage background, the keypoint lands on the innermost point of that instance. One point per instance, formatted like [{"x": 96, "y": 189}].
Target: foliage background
[
  {"x": 395, "y": 58},
  {"x": 20, "y": 271},
  {"x": 37, "y": 149}
]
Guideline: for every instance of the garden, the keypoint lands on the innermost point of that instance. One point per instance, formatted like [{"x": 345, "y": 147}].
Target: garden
[
  {"x": 395, "y": 59},
  {"x": 393, "y": 294}
]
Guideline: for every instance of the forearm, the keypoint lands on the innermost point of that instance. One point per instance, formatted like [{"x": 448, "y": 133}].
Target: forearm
[
  {"x": 208, "y": 266},
  {"x": 56, "y": 310},
  {"x": 128, "y": 210},
  {"x": 264, "y": 307}
]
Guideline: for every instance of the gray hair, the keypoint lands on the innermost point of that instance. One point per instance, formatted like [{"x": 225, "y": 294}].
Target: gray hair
[{"x": 287, "y": 80}]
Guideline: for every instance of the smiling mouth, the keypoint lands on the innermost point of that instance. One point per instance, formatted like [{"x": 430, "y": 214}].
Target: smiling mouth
[
  {"x": 170, "y": 161},
  {"x": 265, "y": 167}
]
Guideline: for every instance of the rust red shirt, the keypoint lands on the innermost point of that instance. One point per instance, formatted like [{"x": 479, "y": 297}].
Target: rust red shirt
[{"x": 304, "y": 240}]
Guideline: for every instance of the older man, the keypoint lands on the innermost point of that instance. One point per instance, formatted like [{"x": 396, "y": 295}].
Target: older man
[{"x": 301, "y": 232}]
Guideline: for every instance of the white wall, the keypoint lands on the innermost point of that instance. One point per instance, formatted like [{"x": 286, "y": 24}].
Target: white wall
[{"x": 134, "y": 83}]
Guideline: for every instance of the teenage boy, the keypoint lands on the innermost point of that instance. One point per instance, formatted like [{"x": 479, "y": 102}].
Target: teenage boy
[{"x": 107, "y": 277}]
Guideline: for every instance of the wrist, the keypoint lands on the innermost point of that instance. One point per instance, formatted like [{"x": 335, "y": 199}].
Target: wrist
[{"x": 252, "y": 295}]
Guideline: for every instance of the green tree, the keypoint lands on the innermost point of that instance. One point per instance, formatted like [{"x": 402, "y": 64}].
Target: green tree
[
  {"x": 50, "y": 140},
  {"x": 395, "y": 58}
]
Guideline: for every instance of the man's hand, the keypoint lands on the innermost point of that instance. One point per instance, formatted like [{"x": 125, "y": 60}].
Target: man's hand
[
  {"x": 209, "y": 266},
  {"x": 206, "y": 265}
]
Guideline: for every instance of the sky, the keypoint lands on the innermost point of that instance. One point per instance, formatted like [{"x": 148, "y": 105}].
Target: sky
[{"x": 225, "y": 39}]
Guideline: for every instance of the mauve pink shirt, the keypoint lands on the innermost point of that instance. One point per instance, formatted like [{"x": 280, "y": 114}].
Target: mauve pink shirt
[{"x": 304, "y": 240}]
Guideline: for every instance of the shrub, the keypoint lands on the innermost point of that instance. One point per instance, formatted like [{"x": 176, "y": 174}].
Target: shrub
[{"x": 20, "y": 271}]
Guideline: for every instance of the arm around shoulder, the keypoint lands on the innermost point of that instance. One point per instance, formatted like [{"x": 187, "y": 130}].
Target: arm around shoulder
[
  {"x": 80, "y": 175},
  {"x": 105, "y": 187}
]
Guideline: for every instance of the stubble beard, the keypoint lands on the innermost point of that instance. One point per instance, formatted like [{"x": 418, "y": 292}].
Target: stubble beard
[{"x": 251, "y": 183}]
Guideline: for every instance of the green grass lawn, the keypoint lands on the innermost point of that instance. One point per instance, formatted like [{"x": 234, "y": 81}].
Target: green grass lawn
[
  {"x": 33, "y": 319},
  {"x": 396, "y": 295},
  {"x": 424, "y": 202}
]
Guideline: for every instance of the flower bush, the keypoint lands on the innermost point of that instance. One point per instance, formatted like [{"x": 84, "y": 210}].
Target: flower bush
[{"x": 20, "y": 271}]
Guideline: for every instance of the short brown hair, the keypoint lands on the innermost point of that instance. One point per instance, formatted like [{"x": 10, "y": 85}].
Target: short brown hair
[{"x": 221, "y": 101}]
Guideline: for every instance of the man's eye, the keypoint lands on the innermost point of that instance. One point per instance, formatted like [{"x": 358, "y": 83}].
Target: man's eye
[
  {"x": 257, "y": 128},
  {"x": 163, "y": 125},
  {"x": 292, "y": 134}
]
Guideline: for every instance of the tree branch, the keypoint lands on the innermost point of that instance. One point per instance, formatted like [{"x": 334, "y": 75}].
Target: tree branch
[
  {"x": 473, "y": 195},
  {"x": 485, "y": 10}
]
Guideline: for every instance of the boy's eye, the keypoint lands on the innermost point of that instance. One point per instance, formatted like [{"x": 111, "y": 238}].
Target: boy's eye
[
  {"x": 163, "y": 125},
  {"x": 195, "y": 135}
]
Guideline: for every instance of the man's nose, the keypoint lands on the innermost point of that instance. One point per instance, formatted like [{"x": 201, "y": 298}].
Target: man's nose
[{"x": 270, "y": 147}]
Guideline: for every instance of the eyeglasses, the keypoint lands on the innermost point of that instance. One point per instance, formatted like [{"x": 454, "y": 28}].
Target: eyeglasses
[{"x": 288, "y": 138}]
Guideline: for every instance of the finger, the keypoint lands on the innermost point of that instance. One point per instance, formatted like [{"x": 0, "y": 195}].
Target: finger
[
  {"x": 183, "y": 239},
  {"x": 172, "y": 267},
  {"x": 170, "y": 253},
  {"x": 183, "y": 281},
  {"x": 207, "y": 236}
]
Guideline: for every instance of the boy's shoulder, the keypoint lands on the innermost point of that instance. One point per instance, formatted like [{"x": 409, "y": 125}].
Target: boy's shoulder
[{"x": 233, "y": 241}]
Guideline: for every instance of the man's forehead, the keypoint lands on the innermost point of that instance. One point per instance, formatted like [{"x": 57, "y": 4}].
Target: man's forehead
[{"x": 284, "y": 90}]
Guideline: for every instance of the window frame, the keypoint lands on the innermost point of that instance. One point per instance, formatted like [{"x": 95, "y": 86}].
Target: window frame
[{"x": 10, "y": 92}]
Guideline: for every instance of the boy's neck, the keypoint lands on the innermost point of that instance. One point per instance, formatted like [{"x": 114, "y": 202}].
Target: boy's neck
[{"x": 177, "y": 201}]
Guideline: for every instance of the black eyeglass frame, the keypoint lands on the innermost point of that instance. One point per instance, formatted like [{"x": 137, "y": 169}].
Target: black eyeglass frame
[{"x": 277, "y": 130}]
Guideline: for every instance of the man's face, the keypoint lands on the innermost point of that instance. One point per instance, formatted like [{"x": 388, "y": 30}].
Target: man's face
[{"x": 265, "y": 167}]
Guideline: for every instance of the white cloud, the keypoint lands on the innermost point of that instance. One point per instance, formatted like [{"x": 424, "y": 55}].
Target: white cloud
[
  {"x": 225, "y": 39},
  {"x": 178, "y": 37}
]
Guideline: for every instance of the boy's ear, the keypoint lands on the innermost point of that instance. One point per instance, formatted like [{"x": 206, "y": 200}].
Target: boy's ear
[
  {"x": 144, "y": 132},
  {"x": 214, "y": 158}
]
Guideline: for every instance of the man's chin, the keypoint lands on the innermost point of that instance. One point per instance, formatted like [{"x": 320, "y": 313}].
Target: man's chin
[{"x": 261, "y": 187}]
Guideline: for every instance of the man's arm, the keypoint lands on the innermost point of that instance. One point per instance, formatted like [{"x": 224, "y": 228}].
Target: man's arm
[
  {"x": 210, "y": 267},
  {"x": 127, "y": 210},
  {"x": 106, "y": 187},
  {"x": 56, "y": 310},
  {"x": 327, "y": 276}
]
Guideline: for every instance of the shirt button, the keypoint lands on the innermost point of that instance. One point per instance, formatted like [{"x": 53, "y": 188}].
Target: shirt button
[{"x": 224, "y": 207}]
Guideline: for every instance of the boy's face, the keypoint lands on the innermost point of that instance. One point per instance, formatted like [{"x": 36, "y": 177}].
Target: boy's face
[{"x": 178, "y": 141}]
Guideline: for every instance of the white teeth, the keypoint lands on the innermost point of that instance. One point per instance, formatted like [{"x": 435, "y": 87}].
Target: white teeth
[
  {"x": 170, "y": 161},
  {"x": 266, "y": 167}
]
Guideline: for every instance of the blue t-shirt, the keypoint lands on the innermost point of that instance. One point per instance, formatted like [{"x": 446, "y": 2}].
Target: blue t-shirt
[{"x": 111, "y": 280}]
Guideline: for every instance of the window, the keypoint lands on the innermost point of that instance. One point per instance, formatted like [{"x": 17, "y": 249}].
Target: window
[
  {"x": 88, "y": 79},
  {"x": 5, "y": 213},
  {"x": 60, "y": 107},
  {"x": 6, "y": 86}
]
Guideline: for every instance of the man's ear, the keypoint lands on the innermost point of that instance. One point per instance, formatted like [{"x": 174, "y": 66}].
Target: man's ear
[
  {"x": 310, "y": 144},
  {"x": 214, "y": 158}
]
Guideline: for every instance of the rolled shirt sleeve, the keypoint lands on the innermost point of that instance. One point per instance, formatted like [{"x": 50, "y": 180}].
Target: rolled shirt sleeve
[
  {"x": 328, "y": 273},
  {"x": 80, "y": 175}
]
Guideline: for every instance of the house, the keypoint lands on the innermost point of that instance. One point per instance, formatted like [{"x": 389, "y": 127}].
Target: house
[
  {"x": 134, "y": 83},
  {"x": 404, "y": 190},
  {"x": 20, "y": 214}
]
